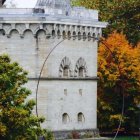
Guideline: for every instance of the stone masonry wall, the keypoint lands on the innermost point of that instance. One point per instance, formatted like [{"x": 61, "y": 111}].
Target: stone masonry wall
[{"x": 29, "y": 44}]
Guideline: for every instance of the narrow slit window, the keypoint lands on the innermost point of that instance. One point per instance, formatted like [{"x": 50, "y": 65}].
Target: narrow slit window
[
  {"x": 65, "y": 92},
  {"x": 80, "y": 92}
]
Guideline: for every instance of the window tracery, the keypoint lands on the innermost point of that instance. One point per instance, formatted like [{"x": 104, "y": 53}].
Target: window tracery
[
  {"x": 65, "y": 69},
  {"x": 81, "y": 68}
]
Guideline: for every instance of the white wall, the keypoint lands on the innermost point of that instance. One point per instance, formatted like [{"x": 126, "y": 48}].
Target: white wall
[
  {"x": 31, "y": 53},
  {"x": 52, "y": 103}
]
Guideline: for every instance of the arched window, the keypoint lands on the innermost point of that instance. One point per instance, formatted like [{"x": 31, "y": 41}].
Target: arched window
[
  {"x": 81, "y": 68},
  {"x": 65, "y": 118},
  {"x": 65, "y": 68},
  {"x": 80, "y": 117}
]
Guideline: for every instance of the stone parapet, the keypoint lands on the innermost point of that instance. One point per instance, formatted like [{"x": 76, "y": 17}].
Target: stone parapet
[{"x": 52, "y": 30}]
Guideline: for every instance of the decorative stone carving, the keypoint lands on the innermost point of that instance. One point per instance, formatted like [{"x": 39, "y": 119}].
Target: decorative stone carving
[
  {"x": 80, "y": 64},
  {"x": 65, "y": 63}
]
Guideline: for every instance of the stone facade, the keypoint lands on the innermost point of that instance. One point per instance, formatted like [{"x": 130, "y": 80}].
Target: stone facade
[{"x": 67, "y": 95}]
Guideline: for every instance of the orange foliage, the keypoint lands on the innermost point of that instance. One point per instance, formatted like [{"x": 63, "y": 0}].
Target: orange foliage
[
  {"x": 118, "y": 59},
  {"x": 119, "y": 73}
]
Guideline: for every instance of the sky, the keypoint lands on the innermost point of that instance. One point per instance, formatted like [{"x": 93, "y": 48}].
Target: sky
[{"x": 23, "y": 3}]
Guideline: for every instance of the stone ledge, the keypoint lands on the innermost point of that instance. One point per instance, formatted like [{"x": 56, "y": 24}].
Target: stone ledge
[{"x": 62, "y": 78}]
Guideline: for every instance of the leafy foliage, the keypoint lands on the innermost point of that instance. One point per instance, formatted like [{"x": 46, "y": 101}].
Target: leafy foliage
[
  {"x": 49, "y": 136},
  {"x": 16, "y": 118},
  {"x": 119, "y": 67}
]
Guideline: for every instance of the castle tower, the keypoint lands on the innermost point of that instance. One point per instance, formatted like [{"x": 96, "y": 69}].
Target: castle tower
[{"x": 67, "y": 95}]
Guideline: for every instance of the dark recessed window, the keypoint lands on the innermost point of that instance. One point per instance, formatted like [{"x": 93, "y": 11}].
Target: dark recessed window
[
  {"x": 80, "y": 117},
  {"x": 65, "y": 118}
]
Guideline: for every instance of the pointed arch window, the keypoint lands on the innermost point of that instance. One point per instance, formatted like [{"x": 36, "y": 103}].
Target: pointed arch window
[
  {"x": 65, "y": 68},
  {"x": 81, "y": 68}
]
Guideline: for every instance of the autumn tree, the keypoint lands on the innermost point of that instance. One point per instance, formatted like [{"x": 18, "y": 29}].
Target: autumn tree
[
  {"x": 119, "y": 66},
  {"x": 122, "y": 15},
  {"x": 16, "y": 118}
]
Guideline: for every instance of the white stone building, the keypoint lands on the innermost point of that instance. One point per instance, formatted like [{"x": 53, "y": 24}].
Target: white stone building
[{"x": 67, "y": 94}]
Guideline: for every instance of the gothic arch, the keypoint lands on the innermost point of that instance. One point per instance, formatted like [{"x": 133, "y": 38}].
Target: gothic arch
[
  {"x": 81, "y": 68},
  {"x": 65, "y": 69}
]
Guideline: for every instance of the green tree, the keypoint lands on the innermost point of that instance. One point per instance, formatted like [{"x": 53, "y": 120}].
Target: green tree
[
  {"x": 122, "y": 15},
  {"x": 16, "y": 118}
]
